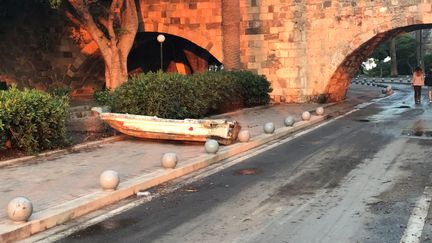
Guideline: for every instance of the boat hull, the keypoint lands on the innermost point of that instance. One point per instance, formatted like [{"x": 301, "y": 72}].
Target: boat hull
[{"x": 170, "y": 129}]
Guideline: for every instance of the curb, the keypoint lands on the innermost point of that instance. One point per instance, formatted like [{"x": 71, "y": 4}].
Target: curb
[
  {"x": 51, "y": 217},
  {"x": 63, "y": 151}
]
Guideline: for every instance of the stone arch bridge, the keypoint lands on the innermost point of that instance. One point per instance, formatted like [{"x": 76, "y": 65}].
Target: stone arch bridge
[{"x": 306, "y": 48}]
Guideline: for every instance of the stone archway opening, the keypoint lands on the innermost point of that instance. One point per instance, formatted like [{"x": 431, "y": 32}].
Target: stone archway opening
[
  {"x": 178, "y": 55},
  {"x": 339, "y": 82}
]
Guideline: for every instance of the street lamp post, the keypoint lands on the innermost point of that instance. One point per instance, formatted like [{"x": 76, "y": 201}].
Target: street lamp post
[{"x": 161, "y": 39}]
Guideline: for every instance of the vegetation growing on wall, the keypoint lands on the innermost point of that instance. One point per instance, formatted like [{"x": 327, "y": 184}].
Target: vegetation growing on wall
[{"x": 171, "y": 95}]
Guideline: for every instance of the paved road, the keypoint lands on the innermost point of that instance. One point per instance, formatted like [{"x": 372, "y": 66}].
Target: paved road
[{"x": 356, "y": 179}]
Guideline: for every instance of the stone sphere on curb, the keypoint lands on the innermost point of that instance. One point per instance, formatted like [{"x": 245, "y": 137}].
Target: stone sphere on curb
[
  {"x": 319, "y": 111},
  {"x": 289, "y": 121},
  {"x": 109, "y": 180},
  {"x": 211, "y": 146},
  {"x": 20, "y": 209},
  {"x": 244, "y": 136},
  {"x": 306, "y": 116},
  {"x": 269, "y": 127},
  {"x": 169, "y": 160}
]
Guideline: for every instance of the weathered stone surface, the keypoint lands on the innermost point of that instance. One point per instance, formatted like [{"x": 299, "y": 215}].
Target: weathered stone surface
[
  {"x": 305, "y": 48},
  {"x": 37, "y": 51}
]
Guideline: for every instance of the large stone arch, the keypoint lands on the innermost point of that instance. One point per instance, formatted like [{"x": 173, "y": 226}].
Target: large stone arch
[
  {"x": 304, "y": 48},
  {"x": 80, "y": 60},
  {"x": 352, "y": 56},
  {"x": 196, "y": 36},
  {"x": 344, "y": 64}
]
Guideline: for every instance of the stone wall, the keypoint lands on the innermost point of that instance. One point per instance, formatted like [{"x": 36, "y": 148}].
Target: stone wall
[
  {"x": 37, "y": 52},
  {"x": 306, "y": 48},
  {"x": 199, "y": 21}
]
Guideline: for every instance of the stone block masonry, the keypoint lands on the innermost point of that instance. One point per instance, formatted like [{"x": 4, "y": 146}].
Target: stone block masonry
[{"x": 305, "y": 48}]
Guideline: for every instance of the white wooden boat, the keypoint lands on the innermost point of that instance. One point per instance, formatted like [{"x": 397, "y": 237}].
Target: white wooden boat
[{"x": 200, "y": 130}]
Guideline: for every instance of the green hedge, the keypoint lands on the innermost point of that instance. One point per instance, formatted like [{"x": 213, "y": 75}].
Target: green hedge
[
  {"x": 32, "y": 120},
  {"x": 176, "y": 96}
]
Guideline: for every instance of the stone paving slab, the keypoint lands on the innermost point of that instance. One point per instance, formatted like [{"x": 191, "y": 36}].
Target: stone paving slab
[
  {"x": 60, "y": 213},
  {"x": 56, "y": 180},
  {"x": 76, "y": 174}
]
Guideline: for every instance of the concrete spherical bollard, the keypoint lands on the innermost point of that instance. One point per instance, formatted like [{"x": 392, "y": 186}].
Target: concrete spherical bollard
[
  {"x": 306, "y": 116},
  {"x": 289, "y": 121},
  {"x": 319, "y": 111},
  {"x": 109, "y": 180},
  {"x": 211, "y": 146},
  {"x": 244, "y": 136},
  {"x": 19, "y": 209},
  {"x": 269, "y": 127},
  {"x": 169, "y": 160}
]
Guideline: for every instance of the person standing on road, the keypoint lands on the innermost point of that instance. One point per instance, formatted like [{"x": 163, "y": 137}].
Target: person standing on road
[
  {"x": 428, "y": 82},
  {"x": 417, "y": 82}
]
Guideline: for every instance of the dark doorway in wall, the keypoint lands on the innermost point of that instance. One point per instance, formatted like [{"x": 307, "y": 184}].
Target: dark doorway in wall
[{"x": 178, "y": 55}]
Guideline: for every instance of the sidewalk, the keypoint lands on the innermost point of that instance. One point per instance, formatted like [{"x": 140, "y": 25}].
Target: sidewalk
[{"x": 62, "y": 187}]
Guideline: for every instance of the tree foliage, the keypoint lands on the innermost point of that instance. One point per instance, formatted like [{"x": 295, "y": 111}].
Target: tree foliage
[
  {"x": 405, "y": 52},
  {"x": 55, "y": 3},
  {"x": 428, "y": 63}
]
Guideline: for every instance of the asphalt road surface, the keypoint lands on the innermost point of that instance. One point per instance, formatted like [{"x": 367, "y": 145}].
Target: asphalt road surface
[{"x": 362, "y": 178}]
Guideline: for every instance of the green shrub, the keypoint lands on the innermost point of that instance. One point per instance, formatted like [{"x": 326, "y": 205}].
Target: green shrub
[
  {"x": 131, "y": 97},
  {"x": 58, "y": 91},
  {"x": 2, "y": 132},
  {"x": 172, "y": 95},
  {"x": 102, "y": 97},
  {"x": 255, "y": 88},
  {"x": 32, "y": 120}
]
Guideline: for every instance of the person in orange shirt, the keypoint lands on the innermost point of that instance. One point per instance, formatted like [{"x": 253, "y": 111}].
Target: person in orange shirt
[{"x": 417, "y": 82}]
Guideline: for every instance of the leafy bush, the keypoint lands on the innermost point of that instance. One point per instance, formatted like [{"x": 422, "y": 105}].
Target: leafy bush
[
  {"x": 2, "y": 132},
  {"x": 33, "y": 120},
  {"x": 255, "y": 88},
  {"x": 102, "y": 97},
  {"x": 172, "y": 95},
  {"x": 58, "y": 91}
]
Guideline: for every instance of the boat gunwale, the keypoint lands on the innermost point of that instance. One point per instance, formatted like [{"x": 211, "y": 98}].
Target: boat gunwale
[{"x": 116, "y": 116}]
